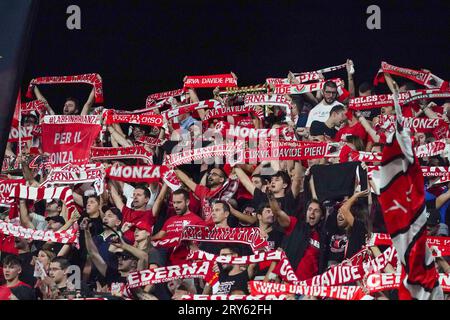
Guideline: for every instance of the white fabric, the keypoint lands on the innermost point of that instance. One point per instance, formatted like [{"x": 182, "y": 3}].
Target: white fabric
[{"x": 320, "y": 112}]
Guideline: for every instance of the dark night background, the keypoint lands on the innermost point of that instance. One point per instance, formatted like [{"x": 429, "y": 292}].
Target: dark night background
[{"x": 143, "y": 47}]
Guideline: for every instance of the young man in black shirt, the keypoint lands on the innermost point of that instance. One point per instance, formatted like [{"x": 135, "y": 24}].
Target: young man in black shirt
[{"x": 327, "y": 129}]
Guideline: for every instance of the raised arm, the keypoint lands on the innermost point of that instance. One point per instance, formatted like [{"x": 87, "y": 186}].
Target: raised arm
[
  {"x": 373, "y": 134},
  {"x": 245, "y": 180},
  {"x": 40, "y": 96},
  {"x": 117, "y": 199},
  {"x": 297, "y": 180},
  {"x": 350, "y": 72},
  {"x": 159, "y": 200},
  {"x": 283, "y": 219},
  {"x": 185, "y": 179},
  {"x": 242, "y": 217},
  {"x": 92, "y": 250},
  {"x": 90, "y": 101},
  {"x": 118, "y": 137},
  {"x": 345, "y": 208},
  {"x": 25, "y": 220}
]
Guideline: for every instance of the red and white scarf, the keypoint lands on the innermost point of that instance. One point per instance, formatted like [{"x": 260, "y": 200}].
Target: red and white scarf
[
  {"x": 431, "y": 149},
  {"x": 166, "y": 94},
  {"x": 68, "y": 236},
  {"x": 6, "y": 187},
  {"x": 265, "y": 99},
  {"x": 333, "y": 292},
  {"x": 440, "y": 246},
  {"x": 90, "y": 78},
  {"x": 274, "y": 255},
  {"x": 21, "y": 133},
  {"x": 148, "y": 174},
  {"x": 147, "y": 119},
  {"x": 306, "y": 76},
  {"x": 150, "y": 141},
  {"x": 425, "y": 78},
  {"x": 231, "y": 131},
  {"x": 259, "y": 88},
  {"x": 402, "y": 199},
  {"x": 42, "y": 193},
  {"x": 251, "y": 236},
  {"x": 170, "y": 273},
  {"x": 33, "y": 106},
  {"x": 198, "y": 154},
  {"x": 136, "y": 152},
  {"x": 211, "y": 81},
  {"x": 377, "y": 282},
  {"x": 207, "y": 104},
  {"x": 72, "y": 174},
  {"x": 418, "y": 124},
  {"x": 233, "y": 297},
  {"x": 232, "y": 111},
  {"x": 304, "y": 88}
]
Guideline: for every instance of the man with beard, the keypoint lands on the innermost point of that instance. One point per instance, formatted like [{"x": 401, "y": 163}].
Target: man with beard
[
  {"x": 215, "y": 189},
  {"x": 345, "y": 231},
  {"x": 233, "y": 279},
  {"x": 138, "y": 212},
  {"x": 173, "y": 226},
  {"x": 322, "y": 110}
]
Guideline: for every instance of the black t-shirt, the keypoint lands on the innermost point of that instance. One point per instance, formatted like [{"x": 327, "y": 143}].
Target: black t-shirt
[
  {"x": 287, "y": 203},
  {"x": 112, "y": 275},
  {"x": 320, "y": 128},
  {"x": 27, "y": 274},
  {"x": 84, "y": 291},
  {"x": 337, "y": 244},
  {"x": 228, "y": 284},
  {"x": 357, "y": 238}
]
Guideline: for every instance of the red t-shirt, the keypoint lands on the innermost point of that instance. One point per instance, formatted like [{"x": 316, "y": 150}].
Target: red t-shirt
[
  {"x": 134, "y": 216},
  {"x": 356, "y": 130},
  {"x": 5, "y": 291},
  {"x": 173, "y": 226},
  {"x": 309, "y": 264},
  {"x": 204, "y": 193}
]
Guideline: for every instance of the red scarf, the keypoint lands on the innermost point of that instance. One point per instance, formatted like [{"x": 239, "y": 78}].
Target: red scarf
[
  {"x": 302, "y": 88},
  {"x": 90, "y": 78},
  {"x": 211, "y": 81},
  {"x": 147, "y": 119},
  {"x": 170, "y": 273},
  {"x": 68, "y": 139},
  {"x": 68, "y": 236},
  {"x": 231, "y": 131},
  {"x": 265, "y": 99},
  {"x": 207, "y": 104},
  {"x": 377, "y": 282},
  {"x": 402, "y": 199},
  {"x": 232, "y": 111},
  {"x": 166, "y": 94},
  {"x": 137, "y": 152},
  {"x": 424, "y": 78},
  {"x": 151, "y": 141},
  {"x": 148, "y": 174},
  {"x": 233, "y": 297},
  {"x": 251, "y": 236},
  {"x": 197, "y": 154}
]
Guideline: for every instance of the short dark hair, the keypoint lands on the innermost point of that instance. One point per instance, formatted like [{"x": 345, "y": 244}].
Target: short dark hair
[
  {"x": 409, "y": 85},
  {"x": 365, "y": 86},
  {"x": 12, "y": 260},
  {"x": 75, "y": 101},
  {"x": 283, "y": 175},
  {"x": 225, "y": 205},
  {"x": 116, "y": 212},
  {"x": 97, "y": 198},
  {"x": 233, "y": 248},
  {"x": 337, "y": 108},
  {"x": 146, "y": 191},
  {"x": 263, "y": 179},
  {"x": 329, "y": 84},
  {"x": 321, "y": 206},
  {"x": 185, "y": 193},
  {"x": 63, "y": 262}
]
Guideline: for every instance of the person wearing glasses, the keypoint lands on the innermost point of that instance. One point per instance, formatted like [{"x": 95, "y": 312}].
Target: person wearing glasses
[{"x": 322, "y": 110}]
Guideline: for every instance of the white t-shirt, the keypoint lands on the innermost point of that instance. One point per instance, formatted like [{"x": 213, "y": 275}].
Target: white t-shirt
[{"x": 321, "y": 112}]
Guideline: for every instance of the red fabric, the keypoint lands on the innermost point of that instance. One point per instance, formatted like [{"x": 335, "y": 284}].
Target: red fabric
[
  {"x": 7, "y": 245},
  {"x": 355, "y": 130},
  {"x": 5, "y": 291},
  {"x": 210, "y": 81},
  {"x": 204, "y": 193},
  {"x": 309, "y": 264},
  {"x": 134, "y": 216},
  {"x": 68, "y": 142},
  {"x": 173, "y": 226}
]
